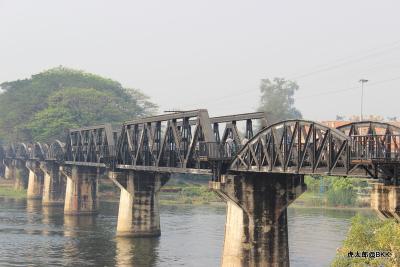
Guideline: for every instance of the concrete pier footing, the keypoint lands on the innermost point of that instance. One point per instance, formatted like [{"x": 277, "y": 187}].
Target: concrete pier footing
[
  {"x": 9, "y": 172},
  {"x": 2, "y": 169},
  {"x": 138, "y": 214},
  {"x": 53, "y": 184},
  {"x": 81, "y": 190},
  {"x": 385, "y": 200},
  {"x": 35, "y": 180},
  {"x": 20, "y": 180},
  {"x": 21, "y": 174},
  {"x": 256, "y": 224}
]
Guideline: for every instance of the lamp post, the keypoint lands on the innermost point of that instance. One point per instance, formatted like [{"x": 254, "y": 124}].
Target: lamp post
[{"x": 362, "y": 81}]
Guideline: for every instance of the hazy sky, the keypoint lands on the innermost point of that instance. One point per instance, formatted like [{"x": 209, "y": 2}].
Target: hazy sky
[{"x": 212, "y": 54}]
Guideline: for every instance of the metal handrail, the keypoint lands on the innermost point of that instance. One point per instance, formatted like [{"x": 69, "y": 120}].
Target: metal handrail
[{"x": 371, "y": 146}]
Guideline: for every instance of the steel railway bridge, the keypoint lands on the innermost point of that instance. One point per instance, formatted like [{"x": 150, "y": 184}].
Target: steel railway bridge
[
  {"x": 258, "y": 168},
  {"x": 191, "y": 142}
]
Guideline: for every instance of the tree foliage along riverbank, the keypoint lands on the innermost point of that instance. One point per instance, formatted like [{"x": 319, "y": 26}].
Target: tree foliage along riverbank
[
  {"x": 370, "y": 236},
  {"x": 332, "y": 191},
  {"x": 42, "y": 107}
]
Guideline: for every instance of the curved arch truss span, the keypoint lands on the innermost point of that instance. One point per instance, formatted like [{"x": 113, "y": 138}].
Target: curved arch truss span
[
  {"x": 295, "y": 146},
  {"x": 369, "y": 128},
  {"x": 38, "y": 151},
  {"x": 377, "y": 141},
  {"x": 56, "y": 151},
  {"x": 21, "y": 151}
]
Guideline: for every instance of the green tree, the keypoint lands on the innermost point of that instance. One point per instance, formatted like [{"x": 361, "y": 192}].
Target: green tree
[
  {"x": 277, "y": 99},
  {"x": 341, "y": 192},
  {"x": 313, "y": 184},
  {"x": 43, "y": 106}
]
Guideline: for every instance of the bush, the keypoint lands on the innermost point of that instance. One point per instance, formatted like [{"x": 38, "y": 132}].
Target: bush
[
  {"x": 370, "y": 235},
  {"x": 313, "y": 183},
  {"x": 341, "y": 192}
]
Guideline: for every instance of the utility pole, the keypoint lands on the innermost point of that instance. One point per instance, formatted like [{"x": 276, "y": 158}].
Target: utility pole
[{"x": 362, "y": 81}]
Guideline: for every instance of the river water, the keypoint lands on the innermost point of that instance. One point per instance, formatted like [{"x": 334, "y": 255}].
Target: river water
[{"x": 32, "y": 235}]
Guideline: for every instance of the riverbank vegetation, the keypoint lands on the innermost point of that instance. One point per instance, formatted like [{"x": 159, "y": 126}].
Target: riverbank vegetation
[
  {"x": 188, "y": 194},
  {"x": 332, "y": 191},
  {"x": 322, "y": 192},
  {"x": 9, "y": 191},
  {"x": 187, "y": 189},
  {"x": 180, "y": 189},
  {"x": 369, "y": 236}
]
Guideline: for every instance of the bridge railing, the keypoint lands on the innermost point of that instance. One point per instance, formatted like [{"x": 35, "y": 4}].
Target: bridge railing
[
  {"x": 370, "y": 147},
  {"x": 218, "y": 151}
]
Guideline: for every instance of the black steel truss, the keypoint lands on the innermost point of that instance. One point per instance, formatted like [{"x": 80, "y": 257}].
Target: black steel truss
[
  {"x": 369, "y": 127},
  {"x": 295, "y": 146},
  {"x": 164, "y": 141},
  {"x": 94, "y": 144},
  {"x": 56, "y": 152},
  {"x": 170, "y": 142},
  {"x": 192, "y": 142},
  {"x": 21, "y": 151},
  {"x": 38, "y": 151}
]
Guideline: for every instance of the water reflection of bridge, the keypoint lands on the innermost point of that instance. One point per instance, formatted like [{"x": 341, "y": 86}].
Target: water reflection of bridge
[{"x": 257, "y": 168}]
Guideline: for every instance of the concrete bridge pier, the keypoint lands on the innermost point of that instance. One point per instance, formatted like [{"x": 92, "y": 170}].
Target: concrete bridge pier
[
  {"x": 256, "y": 231},
  {"x": 53, "y": 184},
  {"x": 35, "y": 180},
  {"x": 2, "y": 169},
  {"x": 81, "y": 190},
  {"x": 9, "y": 170},
  {"x": 8, "y": 173},
  {"x": 21, "y": 174},
  {"x": 138, "y": 214},
  {"x": 385, "y": 200}
]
